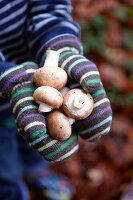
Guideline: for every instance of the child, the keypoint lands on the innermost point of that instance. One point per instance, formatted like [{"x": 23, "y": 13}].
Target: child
[{"x": 27, "y": 30}]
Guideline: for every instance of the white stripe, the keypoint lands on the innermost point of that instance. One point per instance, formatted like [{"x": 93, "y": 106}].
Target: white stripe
[
  {"x": 13, "y": 15},
  {"x": 41, "y": 23},
  {"x": 43, "y": 19},
  {"x": 99, "y": 134},
  {"x": 30, "y": 71},
  {"x": 68, "y": 7},
  {"x": 43, "y": 16},
  {"x": 74, "y": 64},
  {"x": 44, "y": 7},
  {"x": 33, "y": 124},
  {"x": 2, "y": 57},
  {"x": 40, "y": 7},
  {"x": 68, "y": 49},
  {"x": 9, "y": 6},
  {"x": 67, "y": 24},
  {"x": 20, "y": 84},
  {"x": 69, "y": 153},
  {"x": 100, "y": 102},
  {"x": 96, "y": 126},
  {"x": 14, "y": 26},
  {"x": 64, "y": 13},
  {"x": 21, "y": 101},
  {"x": 47, "y": 145},
  {"x": 88, "y": 74},
  {"x": 68, "y": 59}
]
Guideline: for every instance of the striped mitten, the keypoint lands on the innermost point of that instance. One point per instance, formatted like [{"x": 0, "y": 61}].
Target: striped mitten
[
  {"x": 84, "y": 72},
  {"x": 16, "y": 84}
]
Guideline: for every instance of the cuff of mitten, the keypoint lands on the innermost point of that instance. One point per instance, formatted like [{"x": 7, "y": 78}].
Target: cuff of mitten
[{"x": 60, "y": 43}]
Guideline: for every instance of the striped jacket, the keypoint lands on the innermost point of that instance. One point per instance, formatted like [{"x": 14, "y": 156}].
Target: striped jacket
[{"x": 26, "y": 25}]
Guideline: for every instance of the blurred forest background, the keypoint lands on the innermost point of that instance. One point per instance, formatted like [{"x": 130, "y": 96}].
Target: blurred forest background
[{"x": 106, "y": 173}]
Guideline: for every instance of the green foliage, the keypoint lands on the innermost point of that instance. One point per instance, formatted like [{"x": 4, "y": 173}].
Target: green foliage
[
  {"x": 128, "y": 39},
  {"x": 93, "y": 34},
  {"x": 120, "y": 99},
  {"x": 124, "y": 13}
]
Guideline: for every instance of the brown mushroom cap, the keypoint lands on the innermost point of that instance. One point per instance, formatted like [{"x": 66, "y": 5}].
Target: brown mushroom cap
[
  {"x": 49, "y": 96},
  {"x": 50, "y": 76},
  {"x": 77, "y": 104},
  {"x": 58, "y": 125}
]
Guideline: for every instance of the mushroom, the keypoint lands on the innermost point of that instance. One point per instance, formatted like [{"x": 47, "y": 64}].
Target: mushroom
[
  {"x": 49, "y": 98},
  {"x": 77, "y": 104},
  {"x": 64, "y": 91},
  {"x": 58, "y": 125},
  {"x": 50, "y": 74}
]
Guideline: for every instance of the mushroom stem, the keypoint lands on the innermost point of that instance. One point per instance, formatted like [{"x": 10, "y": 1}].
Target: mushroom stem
[
  {"x": 71, "y": 120},
  {"x": 64, "y": 90},
  {"x": 43, "y": 107},
  {"x": 52, "y": 58},
  {"x": 78, "y": 102}
]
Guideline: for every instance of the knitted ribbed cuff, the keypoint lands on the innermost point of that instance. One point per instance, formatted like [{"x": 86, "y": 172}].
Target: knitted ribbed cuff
[{"x": 60, "y": 43}]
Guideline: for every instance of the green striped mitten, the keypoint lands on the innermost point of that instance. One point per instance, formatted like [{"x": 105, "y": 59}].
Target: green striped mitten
[
  {"x": 83, "y": 73},
  {"x": 16, "y": 84}
]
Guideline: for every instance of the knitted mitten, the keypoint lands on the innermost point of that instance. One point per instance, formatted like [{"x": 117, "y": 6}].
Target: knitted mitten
[
  {"x": 84, "y": 72},
  {"x": 16, "y": 84}
]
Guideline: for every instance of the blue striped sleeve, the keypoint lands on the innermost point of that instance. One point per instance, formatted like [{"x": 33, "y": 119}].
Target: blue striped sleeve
[
  {"x": 3, "y": 64},
  {"x": 48, "y": 19}
]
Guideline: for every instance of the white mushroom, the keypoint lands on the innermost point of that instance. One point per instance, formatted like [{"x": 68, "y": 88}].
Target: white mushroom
[
  {"x": 50, "y": 74},
  {"x": 48, "y": 98},
  {"x": 77, "y": 104},
  {"x": 58, "y": 125}
]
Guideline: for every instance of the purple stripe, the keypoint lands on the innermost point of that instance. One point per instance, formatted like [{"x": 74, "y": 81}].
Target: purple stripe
[
  {"x": 92, "y": 117},
  {"x": 88, "y": 67},
  {"x": 10, "y": 81},
  {"x": 27, "y": 117},
  {"x": 65, "y": 40},
  {"x": 57, "y": 43}
]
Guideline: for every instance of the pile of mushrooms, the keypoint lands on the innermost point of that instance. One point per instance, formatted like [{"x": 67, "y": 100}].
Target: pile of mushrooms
[{"x": 63, "y": 105}]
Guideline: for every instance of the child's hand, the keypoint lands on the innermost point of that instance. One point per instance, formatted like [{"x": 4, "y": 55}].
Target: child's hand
[
  {"x": 16, "y": 84},
  {"x": 86, "y": 74}
]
